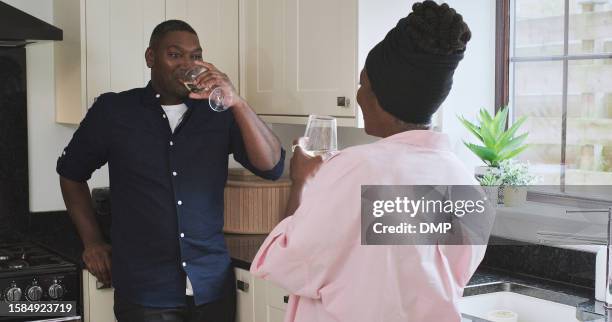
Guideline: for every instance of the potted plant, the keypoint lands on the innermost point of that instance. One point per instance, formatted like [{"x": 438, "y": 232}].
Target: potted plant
[
  {"x": 497, "y": 143},
  {"x": 514, "y": 177},
  {"x": 490, "y": 183}
]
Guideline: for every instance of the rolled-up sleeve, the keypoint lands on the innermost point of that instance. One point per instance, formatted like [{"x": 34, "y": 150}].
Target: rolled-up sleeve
[
  {"x": 88, "y": 149},
  {"x": 239, "y": 151}
]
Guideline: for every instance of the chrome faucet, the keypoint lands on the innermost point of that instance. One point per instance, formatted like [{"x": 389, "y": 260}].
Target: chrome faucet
[{"x": 608, "y": 291}]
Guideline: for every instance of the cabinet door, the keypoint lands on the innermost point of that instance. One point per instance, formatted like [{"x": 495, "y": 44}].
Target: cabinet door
[
  {"x": 118, "y": 33},
  {"x": 97, "y": 303},
  {"x": 300, "y": 56},
  {"x": 270, "y": 301},
  {"x": 216, "y": 22},
  {"x": 244, "y": 296}
]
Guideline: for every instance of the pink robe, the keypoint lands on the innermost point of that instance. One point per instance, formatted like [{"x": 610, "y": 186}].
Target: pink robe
[{"x": 317, "y": 256}]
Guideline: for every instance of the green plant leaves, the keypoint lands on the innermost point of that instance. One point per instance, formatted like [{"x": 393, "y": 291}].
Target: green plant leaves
[
  {"x": 513, "y": 153},
  {"x": 498, "y": 144},
  {"x": 471, "y": 127},
  {"x": 485, "y": 154}
]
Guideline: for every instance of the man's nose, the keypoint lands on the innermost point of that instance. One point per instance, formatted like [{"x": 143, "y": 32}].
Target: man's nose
[{"x": 187, "y": 62}]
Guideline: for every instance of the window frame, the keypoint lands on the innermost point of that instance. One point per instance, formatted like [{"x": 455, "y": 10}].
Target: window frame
[{"x": 505, "y": 64}]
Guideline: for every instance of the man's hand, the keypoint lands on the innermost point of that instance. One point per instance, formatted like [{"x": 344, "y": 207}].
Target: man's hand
[
  {"x": 97, "y": 258},
  {"x": 213, "y": 78}
]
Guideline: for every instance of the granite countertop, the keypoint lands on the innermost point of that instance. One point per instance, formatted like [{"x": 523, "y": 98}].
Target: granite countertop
[{"x": 242, "y": 248}]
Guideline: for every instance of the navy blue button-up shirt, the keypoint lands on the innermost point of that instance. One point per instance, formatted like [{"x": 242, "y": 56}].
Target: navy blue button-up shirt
[{"x": 166, "y": 192}]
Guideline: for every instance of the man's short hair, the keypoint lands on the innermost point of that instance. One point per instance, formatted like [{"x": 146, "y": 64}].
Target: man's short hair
[{"x": 168, "y": 26}]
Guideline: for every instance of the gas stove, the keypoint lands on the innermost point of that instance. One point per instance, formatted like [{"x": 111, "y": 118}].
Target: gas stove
[{"x": 31, "y": 272}]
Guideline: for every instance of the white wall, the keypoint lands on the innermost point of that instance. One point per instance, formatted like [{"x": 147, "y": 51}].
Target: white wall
[
  {"x": 473, "y": 83},
  {"x": 46, "y": 138}
]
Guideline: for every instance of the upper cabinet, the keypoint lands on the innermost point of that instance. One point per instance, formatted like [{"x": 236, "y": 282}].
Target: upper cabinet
[
  {"x": 103, "y": 50},
  {"x": 105, "y": 42},
  {"x": 216, "y": 22},
  {"x": 288, "y": 58},
  {"x": 304, "y": 57}
]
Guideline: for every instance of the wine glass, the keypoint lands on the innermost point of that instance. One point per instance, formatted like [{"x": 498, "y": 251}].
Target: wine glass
[
  {"x": 217, "y": 99},
  {"x": 321, "y": 135}
]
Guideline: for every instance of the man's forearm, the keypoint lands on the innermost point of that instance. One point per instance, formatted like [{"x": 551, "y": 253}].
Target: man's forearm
[
  {"x": 79, "y": 205},
  {"x": 262, "y": 146}
]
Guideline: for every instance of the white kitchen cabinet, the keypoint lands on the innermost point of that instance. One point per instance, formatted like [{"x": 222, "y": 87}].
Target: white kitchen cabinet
[
  {"x": 97, "y": 303},
  {"x": 245, "y": 298},
  {"x": 304, "y": 57},
  {"x": 270, "y": 301},
  {"x": 103, "y": 50},
  {"x": 105, "y": 42},
  {"x": 256, "y": 300},
  {"x": 216, "y": 23},
  {"x": 259, "y": 300}
]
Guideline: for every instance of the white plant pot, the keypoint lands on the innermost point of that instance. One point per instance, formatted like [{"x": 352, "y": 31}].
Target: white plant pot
[
  {"x": 515, "y": 196},
  {"x": 492, "y": 193}
]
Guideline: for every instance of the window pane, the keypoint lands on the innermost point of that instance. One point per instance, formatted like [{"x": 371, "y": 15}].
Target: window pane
[
  {"x": 589, "y": 124},
  {"x": 539, "y": 27},
  {"x": 590, "y": 27},
  {"x": 538, "y": 94}
]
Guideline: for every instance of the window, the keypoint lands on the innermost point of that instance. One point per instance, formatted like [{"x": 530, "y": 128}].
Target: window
[{"x": 555, "y": 67}]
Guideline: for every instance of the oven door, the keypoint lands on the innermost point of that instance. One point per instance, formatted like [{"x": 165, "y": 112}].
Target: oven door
[
  {"x": 66, "y": 318},
  {"x": 42, "y": 319}
]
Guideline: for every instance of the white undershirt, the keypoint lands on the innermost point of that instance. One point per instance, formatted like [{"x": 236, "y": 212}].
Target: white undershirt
[{"x": 175, "y": 113}]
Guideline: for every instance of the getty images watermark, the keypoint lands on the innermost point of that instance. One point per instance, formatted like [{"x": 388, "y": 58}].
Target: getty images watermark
[{"x": 425, "y": 215}]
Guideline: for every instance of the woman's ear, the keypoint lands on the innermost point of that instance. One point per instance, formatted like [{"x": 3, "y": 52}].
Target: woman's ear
[{"x": 149, "y": 57}]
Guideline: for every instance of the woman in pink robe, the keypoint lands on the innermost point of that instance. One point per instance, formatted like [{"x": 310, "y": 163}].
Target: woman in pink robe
[{"x": 316, "y": 253}]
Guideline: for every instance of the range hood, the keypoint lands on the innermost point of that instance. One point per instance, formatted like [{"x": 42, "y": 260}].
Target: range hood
[{"x": 18, "y": 28}]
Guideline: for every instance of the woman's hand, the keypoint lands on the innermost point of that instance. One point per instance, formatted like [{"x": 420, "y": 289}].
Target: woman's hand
[{"x": 303, "y": 166}]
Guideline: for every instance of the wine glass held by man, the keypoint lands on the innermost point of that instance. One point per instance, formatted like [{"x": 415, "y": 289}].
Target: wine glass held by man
[{"x": 214, "y": 85}]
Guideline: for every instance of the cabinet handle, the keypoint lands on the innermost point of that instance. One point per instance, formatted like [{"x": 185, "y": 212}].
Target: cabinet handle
[
  {"x": 343, "y": 101},
  {"x": 243, "y": 286},
  {"x": 286, "y": 298},
  {"x": 102, "y": 286}
]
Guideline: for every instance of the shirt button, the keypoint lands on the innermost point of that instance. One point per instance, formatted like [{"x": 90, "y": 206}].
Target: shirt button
[
  {"x": 182, "y": 235},
  {"x": 64, "y": 152},
  {"x": 157, "y": 95},
  {"x": 174, "y": 173},
  {"x": 179, "y": 202},
  {"x": 164, "y": 115},
  {"x": 171, "y": 143},
  {"x": 184, "y": 264}
]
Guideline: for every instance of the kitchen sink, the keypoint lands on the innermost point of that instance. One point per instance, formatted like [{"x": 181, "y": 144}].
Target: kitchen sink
[{"x": 531, "y": 304}]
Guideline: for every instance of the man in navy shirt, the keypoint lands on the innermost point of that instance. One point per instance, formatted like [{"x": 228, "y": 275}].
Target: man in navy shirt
[{"x": 167, "y": 156}]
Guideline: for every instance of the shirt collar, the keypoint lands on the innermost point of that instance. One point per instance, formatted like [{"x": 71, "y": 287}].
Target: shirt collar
[
  {"x": 151, "y": 98},
  {"x": 422, "y": 138}
]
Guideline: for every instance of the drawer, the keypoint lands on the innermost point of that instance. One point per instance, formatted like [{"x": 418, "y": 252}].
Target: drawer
[{"x": 277, "y": 297}]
